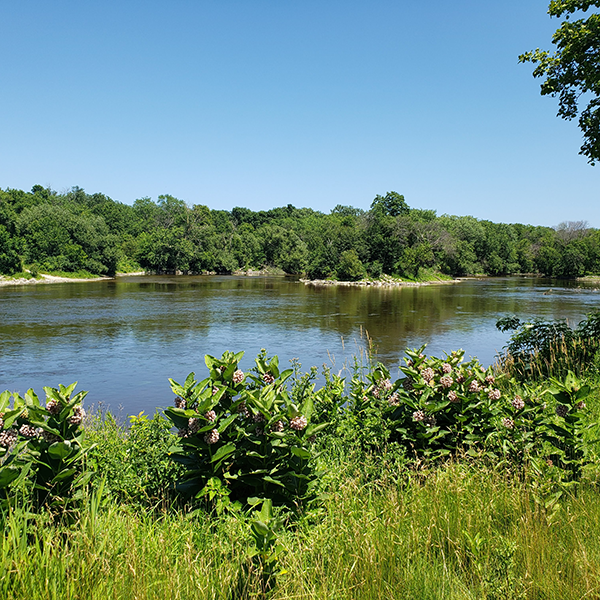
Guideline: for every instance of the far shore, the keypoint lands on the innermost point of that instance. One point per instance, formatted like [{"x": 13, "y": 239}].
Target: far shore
[{"x": 384, "y": 281}]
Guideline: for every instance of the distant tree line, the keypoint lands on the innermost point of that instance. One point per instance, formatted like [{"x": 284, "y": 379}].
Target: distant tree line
[{"x": 74, "y": 231}]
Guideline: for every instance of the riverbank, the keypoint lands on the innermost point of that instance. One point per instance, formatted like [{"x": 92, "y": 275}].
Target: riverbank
[{"x": 44, "y": 278}]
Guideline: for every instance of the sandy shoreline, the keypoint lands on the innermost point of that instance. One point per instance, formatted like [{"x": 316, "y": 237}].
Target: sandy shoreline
[{"x": 45, "y": 279}]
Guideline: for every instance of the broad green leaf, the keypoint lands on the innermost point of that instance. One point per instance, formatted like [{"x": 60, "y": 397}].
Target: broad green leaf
[
  {"x": 300, "y": 452},
  {"x": 60, "y": 450},
  {"x": 64, "y": 474},
  {"x": 223, "y": 452}
]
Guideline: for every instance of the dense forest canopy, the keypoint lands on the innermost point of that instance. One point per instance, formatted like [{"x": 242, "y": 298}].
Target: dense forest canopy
[{"x": 43, "y": 230}]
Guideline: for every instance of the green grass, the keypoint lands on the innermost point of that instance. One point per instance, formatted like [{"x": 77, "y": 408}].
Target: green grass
[
  {"x": 381, "y": 528},
  {"x": 460, "y": 531},
  {"x": 20, "y": 275},
  {"x": 81, "y": 274}
]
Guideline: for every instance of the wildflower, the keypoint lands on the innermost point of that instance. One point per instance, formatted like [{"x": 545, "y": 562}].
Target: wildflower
[
  {"x": 474, "y": 386},
  {"x": 460, "y": 378},
  {"x": 179, "y": 403},
  {"x": 78, "y": 415},
  {"x": 518, "y": 403},
  {"x": 490, "y": 379},
  {"x": 562, "y": 410},
  {"x": 452, "y": 396},
  {"x": 428, "y": 374},
  {"x": 215, "y": 390},
  {"x": 27, "y": 431},
  {"x": 580, "y": 405},
  {"x": 183, "y": 432},
  {"x": 375, "y": 392},
  {"x": 418, "y": 416},
  {"x": 298, "y": 423},
  {"x": 446, "y": 368},
  {"x": 394, "y": 400},
  {"x": 258, "y": 418},
  {"x": 211, "y": 437},
  {"x": 494, "y": 394},
  {"x": 8, "y": 437},
  {"x": 211, "y": 416},
  {"x": 52, "y": 406},
  {"x": 243, "y": 410},
  {"x": 259, "y": 431},
  {"x": 268, "y": 378},
  {"x": 238, "y": 377},
  {"x": 407, "y": 384},
  {"x": 410, "y": 362},
  {"x": 385, "y": 384},
  {"x": 193, "y": 425},
  {"x": 508, "y": 423},
  {"x": 1, "y": 421},
  {"x": 446, "y": 381},
  {"x": 277, "y": 427}
]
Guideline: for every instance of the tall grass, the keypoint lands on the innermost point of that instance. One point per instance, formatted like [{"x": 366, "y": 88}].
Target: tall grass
[
  {"x": 459, "y": 531},
  {"x": 559, "y": 357}
]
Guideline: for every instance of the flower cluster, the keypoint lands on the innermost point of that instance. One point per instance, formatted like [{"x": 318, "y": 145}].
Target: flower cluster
[
  {"x": 8, "y": 437},
  {"x": 474, "y": 386},
  {"x": 418, "y": 416},
  {"x": 494, "y": 394},
  {"x": 428, "y": 374},
  {"x": 394, "y": 399},
  {"x": 446, "y": 381},
  {"x": 298, "y": 423},
  {"x": 53, "y": 406},
  {"x": 518, "y": 403},
  {"x": 28, "y": 431},
  {"x": 268, "y": 378},
  {"x": 211, "y": 437},
  {"x": 78, "y": 415}
]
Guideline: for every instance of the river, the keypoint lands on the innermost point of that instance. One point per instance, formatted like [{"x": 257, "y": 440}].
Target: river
[{"x": 122, "y": 339}]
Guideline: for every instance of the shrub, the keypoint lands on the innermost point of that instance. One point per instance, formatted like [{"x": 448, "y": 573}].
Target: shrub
[
  {"x": 43, "y": 446},
  {"x": 243, "y": 436},
  {"x": 550, "y": 348},
  {"x": 134, "y": 462}
]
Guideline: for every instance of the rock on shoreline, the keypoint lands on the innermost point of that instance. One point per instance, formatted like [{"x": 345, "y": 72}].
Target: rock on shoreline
[{"x": 383, "y": 282}]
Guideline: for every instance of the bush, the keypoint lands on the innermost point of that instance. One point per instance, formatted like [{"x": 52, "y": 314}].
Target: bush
[
  {"x": 243, "y": 436},
  {"x": 42, "y": 447},
  {"x": 134, "y": 462},
  {"x": 540, "y": 348},
  {"x": 350, "y": 267}
]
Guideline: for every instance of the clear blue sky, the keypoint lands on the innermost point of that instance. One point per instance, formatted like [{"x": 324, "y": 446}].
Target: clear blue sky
[{"x": 261, "y": 103}]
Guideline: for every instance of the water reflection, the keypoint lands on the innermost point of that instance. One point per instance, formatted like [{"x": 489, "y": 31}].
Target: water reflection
[{"x": 122, "y": 339}]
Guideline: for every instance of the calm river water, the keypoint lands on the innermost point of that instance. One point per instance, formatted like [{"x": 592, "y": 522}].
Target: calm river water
[{"x": 122, "y": 339}]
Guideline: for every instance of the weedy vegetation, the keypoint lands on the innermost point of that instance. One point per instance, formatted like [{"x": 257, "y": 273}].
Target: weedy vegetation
[{"x": 444, "y": 479}]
